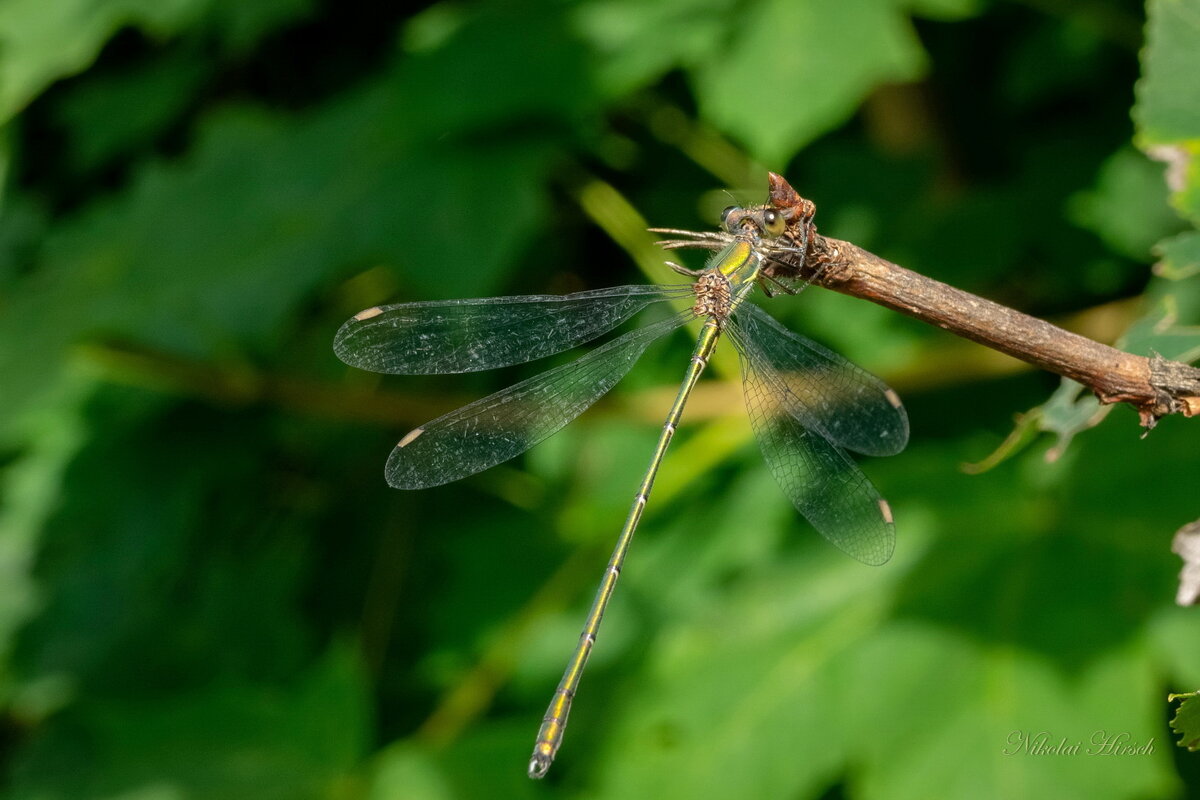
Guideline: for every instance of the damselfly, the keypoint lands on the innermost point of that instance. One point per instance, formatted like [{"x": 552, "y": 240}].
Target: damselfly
[{"x": 807, "y": 404}]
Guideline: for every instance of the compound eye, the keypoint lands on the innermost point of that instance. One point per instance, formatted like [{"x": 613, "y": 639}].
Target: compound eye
[
  {"x": 725, "y": 215},
  {"x": 773, "y": 222}
]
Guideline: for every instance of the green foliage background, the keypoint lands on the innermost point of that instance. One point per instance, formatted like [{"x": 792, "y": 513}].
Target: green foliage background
[{"x": 206, "y": 588}]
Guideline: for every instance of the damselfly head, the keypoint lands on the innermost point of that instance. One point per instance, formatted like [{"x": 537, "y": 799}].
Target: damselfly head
[
  {"x": 782, "y": 227},
  {"x": 765, "y": 221},
  {"x": 783, "y": 209}
]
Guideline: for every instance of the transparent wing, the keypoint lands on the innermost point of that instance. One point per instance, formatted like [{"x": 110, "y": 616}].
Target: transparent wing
[
  {"x": 848, "y": 405},
  {"x": 472, "y": 335},
  {"x": 503, "y": 425},
  {"x": 821, "y": 481}
]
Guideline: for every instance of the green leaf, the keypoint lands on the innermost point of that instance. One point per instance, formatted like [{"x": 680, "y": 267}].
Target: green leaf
[
  {"x": 483, "y": 81},
  {"x": 241, "y": 25},
  {"x": 213, "y": 254},
  {"x": 31, "y": 487},
  {"x": 1163, "y": 329},
  {"x": 1167, "y": 110},
  {"x": 486, "y": 763},
  {"x": 120, "y": 112},
  {"x": 1024, "y": 431},
  {"x": 946, "y": 10},
  {"x": 793, "y": 684},
  {"x": 1127, "y": 207},
  {"x": 109, "y": 559},
  {"x": 636, "y": 43},
  {"x": 792, "y": 71},
  {"x": 1168, "y": 121},
  {"x": 992, "y": 707},
  {"x": 23, "y": 229},
  {"x": 1054, "y": 519},
  {"x": 1175, "y": 637},
  {"x": 1186, "y": 721},
  {"x": 41, "y": 42},
  {"x": 404, "y": 770},
  {"x": 1180, "y": 256},
  {"x": 232, "y": 739},
  {"x": 1070, "y": 410},
  {"x": 1052, "y": 60},
  {"x": 730, "y": 698}
]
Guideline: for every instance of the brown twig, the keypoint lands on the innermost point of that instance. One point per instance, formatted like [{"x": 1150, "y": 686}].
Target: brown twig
[{"x": 1155, "y": 386}]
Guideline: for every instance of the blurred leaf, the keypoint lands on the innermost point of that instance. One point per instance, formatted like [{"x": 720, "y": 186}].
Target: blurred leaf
[
  {"x": 793, "y": 671},
  {"x": 23, "y": 226},
  {"x": 43, "y": 41},
  {"x": 1167, "y": 113},
  {"x": 1175, "y": 635},
  {"x": 991, "y": 706},
  {"x": 483, "y": 79},
  {"x": 489, "y": 763},
  {"x": 213, "y": 254},
  {"x": 1128, "y": 207},
  {"x": 430, "y": 28},
  {"x": 795, "y": 70},
  {"x": 403, "y": 772},
  {"x": 1186, "y": 722},
  {"x": 116, "y": 113},
  {"x": 1161, "y": 330},
  {"x": 946, "y": 10},
  {"x": 845, "y": 50},
  {"x": 1051, "y": 61},
  {"x": 6, "y": 156},
  {"x": 1025, "y": 430},
  {"x": 706, "y": 546},
  {"x": 164, "y": 582},
  {"x": 241, "y": 24},
  {"x": 230, "y": 740},
  {"x": 1071, "y": 409},
  {"x": 1047, "y": 522},
  {"x": 742, "y": 685},
  {"x": 636, "y": 43},
  {"x": 1167, "y": 110},
  {"x": 31, "y": 487},
  {"x": 1180, "y": 256}
]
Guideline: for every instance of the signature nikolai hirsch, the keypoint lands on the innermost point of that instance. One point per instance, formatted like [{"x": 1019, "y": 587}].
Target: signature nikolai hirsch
[{"x": 1101, "y": 743}]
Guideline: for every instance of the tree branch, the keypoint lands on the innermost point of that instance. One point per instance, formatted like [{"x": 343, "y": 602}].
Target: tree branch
[{"x": 1155, "y": 386}]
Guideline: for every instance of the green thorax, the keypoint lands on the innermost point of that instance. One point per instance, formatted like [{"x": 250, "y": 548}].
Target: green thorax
[{"x": 739, "y": 263}]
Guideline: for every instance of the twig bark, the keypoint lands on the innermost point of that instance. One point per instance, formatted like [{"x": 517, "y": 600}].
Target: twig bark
[{"x": 1154, "y": 386}]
